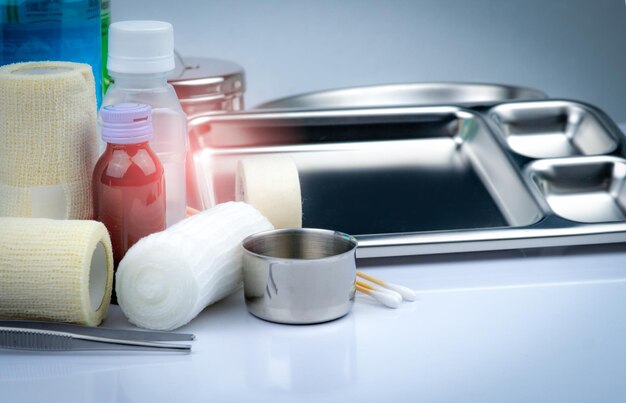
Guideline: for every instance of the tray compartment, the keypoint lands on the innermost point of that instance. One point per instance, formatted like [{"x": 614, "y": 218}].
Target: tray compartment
[
  {"x": 583, "y": 189},
  {"x": 552, "y": 129},
  {"x": 377, "y": 171}
]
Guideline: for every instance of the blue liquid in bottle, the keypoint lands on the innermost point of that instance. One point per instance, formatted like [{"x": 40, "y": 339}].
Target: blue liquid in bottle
[{"x": 56, "y": 30}]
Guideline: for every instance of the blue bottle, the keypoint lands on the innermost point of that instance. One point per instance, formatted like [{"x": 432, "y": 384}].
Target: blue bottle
[{"x": 59, "y": 30}]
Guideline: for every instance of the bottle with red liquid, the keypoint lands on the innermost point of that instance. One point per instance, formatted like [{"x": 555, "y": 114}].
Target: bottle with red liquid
[{"x": 128, "y": 181}]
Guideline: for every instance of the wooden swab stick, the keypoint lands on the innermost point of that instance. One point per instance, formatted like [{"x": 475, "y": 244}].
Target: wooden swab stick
[
  {"x": 384, "y": 298},
  {"x": 406, "y": 293},
  {"x": 191, "y": 211},
  {"x": 377, "y": 288}
]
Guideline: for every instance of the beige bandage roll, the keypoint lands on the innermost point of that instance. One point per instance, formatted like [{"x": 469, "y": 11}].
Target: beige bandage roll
[
  {"x": 271, "y": 184},
  {"x": 56, "y": 270},
  {"x": 48, "y": 140}
]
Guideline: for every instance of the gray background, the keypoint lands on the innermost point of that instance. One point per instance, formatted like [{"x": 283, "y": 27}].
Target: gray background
[{"x": 568, "y": 48}]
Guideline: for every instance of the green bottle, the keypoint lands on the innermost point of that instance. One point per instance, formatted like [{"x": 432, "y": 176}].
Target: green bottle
[{"x": 105, "y": 20}]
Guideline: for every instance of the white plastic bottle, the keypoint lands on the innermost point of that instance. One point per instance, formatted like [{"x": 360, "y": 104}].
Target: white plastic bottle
[{"x": 141, "y": 53}]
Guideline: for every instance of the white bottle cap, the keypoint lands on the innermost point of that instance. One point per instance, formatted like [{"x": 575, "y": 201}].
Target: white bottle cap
[{"x": 141, "y": 47}]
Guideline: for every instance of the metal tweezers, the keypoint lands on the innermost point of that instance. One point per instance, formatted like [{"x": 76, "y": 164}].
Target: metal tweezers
[{"x": 50, "y": 336}]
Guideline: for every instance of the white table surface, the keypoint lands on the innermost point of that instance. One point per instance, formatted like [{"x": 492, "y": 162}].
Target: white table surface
[
  {"x": 516, "y": 326},
  {"x": 541, "y": 325}
]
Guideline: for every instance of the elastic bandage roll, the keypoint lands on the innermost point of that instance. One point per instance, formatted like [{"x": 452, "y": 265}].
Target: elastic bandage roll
[
  {"x": 271, "y": 184},
  {"x": 48, "y": 140},
  {"x": 55, "y": 270},
  {"x": 166, "y": 279}
]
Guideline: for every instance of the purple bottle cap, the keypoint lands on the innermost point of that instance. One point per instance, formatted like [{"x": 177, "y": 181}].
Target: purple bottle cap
[{"x": 126, "y": 123}]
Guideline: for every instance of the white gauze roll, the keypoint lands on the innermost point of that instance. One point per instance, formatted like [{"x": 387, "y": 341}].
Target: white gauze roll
[
  {"x": 48, "y": 140},
  {"x": 271, "y": 184},
  {"x": 57, "y": 270},
  {"x": 167, "y": 278}
]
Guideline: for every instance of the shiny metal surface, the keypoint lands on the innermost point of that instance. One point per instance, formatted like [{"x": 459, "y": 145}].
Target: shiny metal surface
[
  {"x": 551, "y": 129},
  {"x": 133, "y": 335},
  {"x": 588, "y": 190},
  {"x": 20, "y": 338},
  {"x": 206, "y": 86},
  {"x": 413, "y": 180},
  {"x": 378, "y": 171},
  {"x": 299, "y": 276},
  {"x": 407, "y": 94}
]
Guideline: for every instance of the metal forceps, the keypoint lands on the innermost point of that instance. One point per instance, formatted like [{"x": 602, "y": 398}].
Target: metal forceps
[{"x": 50, "y": 336}]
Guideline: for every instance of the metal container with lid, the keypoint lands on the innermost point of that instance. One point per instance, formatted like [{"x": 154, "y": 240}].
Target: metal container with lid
[{"x": 206, "y": 86}]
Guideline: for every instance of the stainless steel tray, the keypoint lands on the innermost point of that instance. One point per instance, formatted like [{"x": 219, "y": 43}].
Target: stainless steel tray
[
  {"x": 406, "y": 94},
  {"x": 443, "y": 179}
]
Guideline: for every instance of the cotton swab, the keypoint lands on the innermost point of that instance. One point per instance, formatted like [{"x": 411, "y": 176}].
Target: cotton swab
[
  {"x": 385, "y": 298},
  {"x": 377, "y": 288},
  {"x": 406, "y": 293}
]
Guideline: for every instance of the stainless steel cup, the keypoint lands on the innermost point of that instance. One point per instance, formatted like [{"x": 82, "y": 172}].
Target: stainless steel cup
[{"x": 299, "y": 275}]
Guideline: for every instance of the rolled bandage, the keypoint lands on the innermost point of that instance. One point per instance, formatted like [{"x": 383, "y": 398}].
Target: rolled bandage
[
  {"x": 272, "y": 186},
  {"x": 48, "y": 140},
  {"x": 167, "y": 278},
  {"x": 55, "y": 270}
]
